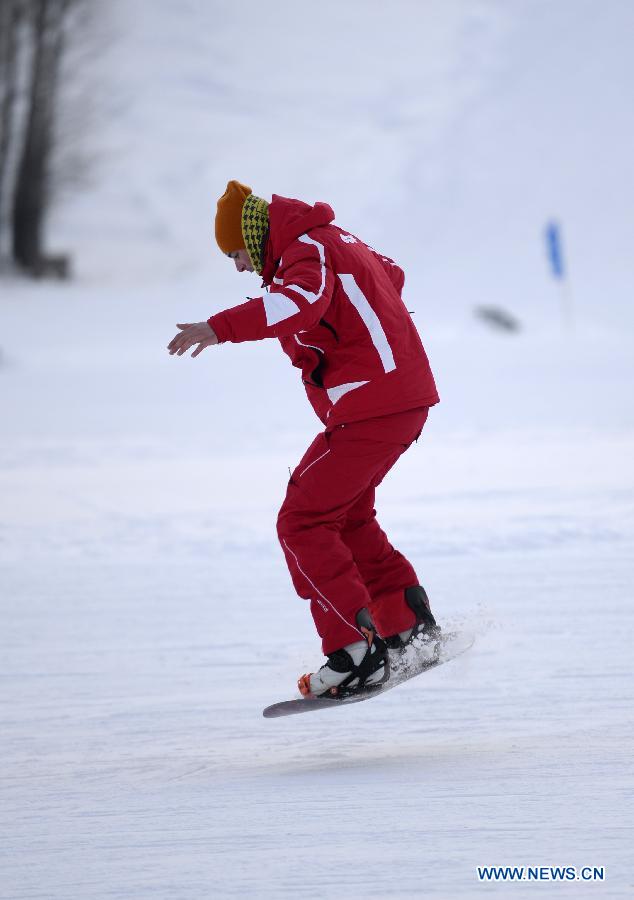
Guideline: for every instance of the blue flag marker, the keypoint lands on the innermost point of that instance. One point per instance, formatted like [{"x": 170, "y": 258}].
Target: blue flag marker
[{"x": 554, "y": 249}]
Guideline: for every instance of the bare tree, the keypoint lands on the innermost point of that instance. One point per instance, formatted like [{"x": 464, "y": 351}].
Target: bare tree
[
  {"x": 47, "y": 18},
  {"x": 33, "y": 34},
  {"x": 10, "y": 15}
]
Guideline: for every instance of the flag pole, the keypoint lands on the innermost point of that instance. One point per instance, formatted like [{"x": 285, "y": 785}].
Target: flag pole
[{"x": 567, "y": 305}]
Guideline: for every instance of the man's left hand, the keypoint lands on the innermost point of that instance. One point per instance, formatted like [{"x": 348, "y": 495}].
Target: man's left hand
[{"x": 200, "y": 333}]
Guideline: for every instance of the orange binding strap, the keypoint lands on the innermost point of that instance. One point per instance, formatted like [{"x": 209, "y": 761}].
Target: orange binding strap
[
  {"x": 304, "y": 685},
  {"x": 368, "y": 635}
]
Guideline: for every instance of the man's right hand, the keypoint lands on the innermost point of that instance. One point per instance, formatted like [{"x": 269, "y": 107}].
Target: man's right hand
[{"x": 200, "y": 333}]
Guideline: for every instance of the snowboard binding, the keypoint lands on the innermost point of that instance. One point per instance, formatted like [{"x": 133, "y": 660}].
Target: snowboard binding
[
  {"x": 425, "y": 627},
  {"x": 354, "y": 668}
]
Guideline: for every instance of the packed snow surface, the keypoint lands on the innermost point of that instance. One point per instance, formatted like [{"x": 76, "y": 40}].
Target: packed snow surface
[{"x": 147, "y": 615}]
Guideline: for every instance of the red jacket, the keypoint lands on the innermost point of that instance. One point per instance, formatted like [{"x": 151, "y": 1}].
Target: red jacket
[{"x": 335, "y": 305}]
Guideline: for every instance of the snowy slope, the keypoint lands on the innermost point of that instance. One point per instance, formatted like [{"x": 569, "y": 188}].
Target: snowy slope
[
  {"x": 147, "y": 619},
  {"x": 446, "y": 133},
  {"x": 146, "y": 613}
]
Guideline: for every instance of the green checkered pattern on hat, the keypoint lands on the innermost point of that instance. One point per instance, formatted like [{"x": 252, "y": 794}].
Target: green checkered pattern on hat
[{"x": 255, "y": 227}]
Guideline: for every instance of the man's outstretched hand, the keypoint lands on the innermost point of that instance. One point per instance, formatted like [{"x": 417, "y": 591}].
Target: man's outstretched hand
[{"x": 200, "y": 333}]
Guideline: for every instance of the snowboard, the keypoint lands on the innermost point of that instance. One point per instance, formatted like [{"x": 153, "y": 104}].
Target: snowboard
[{"x": 413, "y": 662}]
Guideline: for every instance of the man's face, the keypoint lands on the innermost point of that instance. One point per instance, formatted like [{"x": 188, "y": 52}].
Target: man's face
[{"x": 241, "y": 260}]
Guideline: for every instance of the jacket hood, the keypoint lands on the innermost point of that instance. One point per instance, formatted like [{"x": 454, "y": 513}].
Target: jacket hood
[{"x": 288, "y": 219}]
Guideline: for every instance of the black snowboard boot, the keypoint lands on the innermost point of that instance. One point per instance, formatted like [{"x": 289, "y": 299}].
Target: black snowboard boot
[
  {"x": 425, "y": 630},
  {"x": 357, "y": 666}
]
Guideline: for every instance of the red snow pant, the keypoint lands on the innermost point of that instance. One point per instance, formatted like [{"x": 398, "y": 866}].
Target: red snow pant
[{"x": 337, "y": 554}]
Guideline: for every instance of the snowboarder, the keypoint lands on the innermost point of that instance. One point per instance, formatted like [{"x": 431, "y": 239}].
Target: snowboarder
[{"x": 335, "y": 305}]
